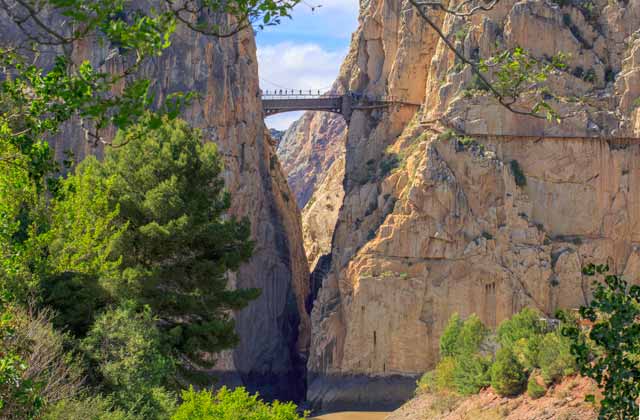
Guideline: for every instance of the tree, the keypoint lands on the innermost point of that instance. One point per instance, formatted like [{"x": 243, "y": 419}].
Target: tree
[
  {"x": 609, "y": 352},
  {"x": 43, "y": 86},
  {"x": 151, "y": 225},
  {"x": 508, "y": 377},
  {"x": 232, "y": 405},
  {"x": 554, "y": 358},
  {"x": 449, "y": 337},
  {"x": 125, "y": 348}
]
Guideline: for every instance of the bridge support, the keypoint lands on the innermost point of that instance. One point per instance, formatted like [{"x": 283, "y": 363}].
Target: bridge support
[{"x": 347, "y": 107}]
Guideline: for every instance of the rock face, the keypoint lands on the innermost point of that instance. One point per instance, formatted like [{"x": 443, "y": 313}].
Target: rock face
[
  {"x": 313, "y": 157},
  {"x": 434, "y": 223},
  {"x": 562, "y": 401},
  {"x": 275, "y": 329},
  {"x": 308, "y": 149}
]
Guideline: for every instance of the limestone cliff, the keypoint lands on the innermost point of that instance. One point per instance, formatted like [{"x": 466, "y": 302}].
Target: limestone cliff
[
  {"x": 462, "y": 206},
  {"x": 308, "y": 149},
  {"x": 312, "y": 156},
  {"x": 274, "y": 330}
]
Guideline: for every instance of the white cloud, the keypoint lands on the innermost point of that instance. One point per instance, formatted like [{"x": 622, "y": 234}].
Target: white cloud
[{"x": 298, "y": 66}]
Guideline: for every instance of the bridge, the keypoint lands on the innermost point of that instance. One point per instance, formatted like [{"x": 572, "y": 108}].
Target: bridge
[{"x": 286, "y": 100}]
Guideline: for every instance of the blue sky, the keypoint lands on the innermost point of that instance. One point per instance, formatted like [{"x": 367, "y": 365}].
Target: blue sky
[{"x": 307, "y": 51}]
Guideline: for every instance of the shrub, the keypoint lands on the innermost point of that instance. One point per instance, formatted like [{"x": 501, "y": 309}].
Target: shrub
[
  {"x": 232, "y": 405},
  {"x": 426, "y": 383},
  {"x": 472, "y": 333},
  {"x": 93, "y": 408},
  {"x": 525, "y": 324},
  {"x": 507, "y": 374},
  {"x": 523, "y": 333},
  {"x": 555, "y": 358},
  {"x": 443, "y": 374},
  {"x": 534, "y": 389},
  {"x": 471, "y": 373},
  {"x": 35, "y": 367},
  {"x": 125, "y": 348},
  {"x": 449, "y": 337}
]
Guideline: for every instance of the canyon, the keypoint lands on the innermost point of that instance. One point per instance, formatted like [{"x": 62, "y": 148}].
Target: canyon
[
  {"x": 460, "y": 205},
  {"x": 368, "y": 237}
]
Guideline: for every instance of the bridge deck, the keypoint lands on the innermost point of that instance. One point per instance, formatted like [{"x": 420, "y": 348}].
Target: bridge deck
[{"x": 274, "y": 105}]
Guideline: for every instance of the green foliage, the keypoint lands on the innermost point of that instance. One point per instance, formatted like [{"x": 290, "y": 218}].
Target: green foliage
[
  {"x": 508, "y": 377},
  {"x": 534, "y": 389},
  {"x": 91, "y": 408},
  {"x": 125, "y": 347},
  {"x": 35, "y": 367},
  {"x": 232, "y": 405},
  {"x": 524, "y": 325},
  {"x": 472, "y": 334},
  {"x": 518, "y": 175},
  {"x": 471, "y": 373},
  {"x": 555, "y": 359},
  {"x": 525, "y": 346},
  {"x": 463, "y": 368},
  {"x": 19, "y": 396},
  {"x": 388, "y": 163},
  {"x": 609, "y": 353},
  {"x": 444, "y": 374},
  {"x": 512, "y": 73},
  {"x": 171, "y": 197},
  {"x": 449, "y": 337}
]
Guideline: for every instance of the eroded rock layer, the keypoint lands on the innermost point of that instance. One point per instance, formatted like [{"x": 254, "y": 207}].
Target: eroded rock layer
[{"x": 462, "y": 206}]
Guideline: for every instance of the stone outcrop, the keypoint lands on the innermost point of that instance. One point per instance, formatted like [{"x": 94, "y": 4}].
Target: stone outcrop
[
  {"x": 308, "y": 149},
  {"x": 562, "y": 401},
  {"x": 275, "y": 329},
  {"x": 461, "y": 205}
]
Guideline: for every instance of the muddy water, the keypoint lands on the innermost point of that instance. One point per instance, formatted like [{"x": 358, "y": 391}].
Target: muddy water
[{"x": 353, "y": 415}]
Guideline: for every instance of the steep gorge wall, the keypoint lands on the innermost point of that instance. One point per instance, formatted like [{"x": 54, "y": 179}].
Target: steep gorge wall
[
  {"x": 431, "y": 225},
  {"x": 275, "y": 329}
]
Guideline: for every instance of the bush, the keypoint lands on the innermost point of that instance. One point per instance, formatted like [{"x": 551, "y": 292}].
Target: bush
[
  {"x": 471, "y": 373},
  {"x": 471, "y": 335},
  {"x": 444, "y": 375},
  {"x": 427, "y": 383},
  {"x": 525, "y": 324},
  {"x": 449, "y": 337},
  {"x": 124, "y": 346},
  {"x": 507, "y": 374},
  {"x": 35, "y": 367},
  {"x": 534, "y": 389},
  {"x": 523, "y": 333},
  {"x": 555, "y": 358},
  {"x": 93, "y": 408},
  {"x": 232, "y": 405}
]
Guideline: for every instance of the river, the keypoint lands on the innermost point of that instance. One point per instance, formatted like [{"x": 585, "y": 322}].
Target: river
[{"x": 353, "y": 415}]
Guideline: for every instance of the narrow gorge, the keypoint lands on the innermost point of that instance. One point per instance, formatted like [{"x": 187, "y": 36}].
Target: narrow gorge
[
  {"x": 459, "y": 205},
  {"x": 370, "y": 234}
]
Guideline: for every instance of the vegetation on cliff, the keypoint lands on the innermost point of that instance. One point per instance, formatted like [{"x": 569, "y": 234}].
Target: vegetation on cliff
[
  {"x": 529, "y": 352},
  {"x": 474, "y": 358}
]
